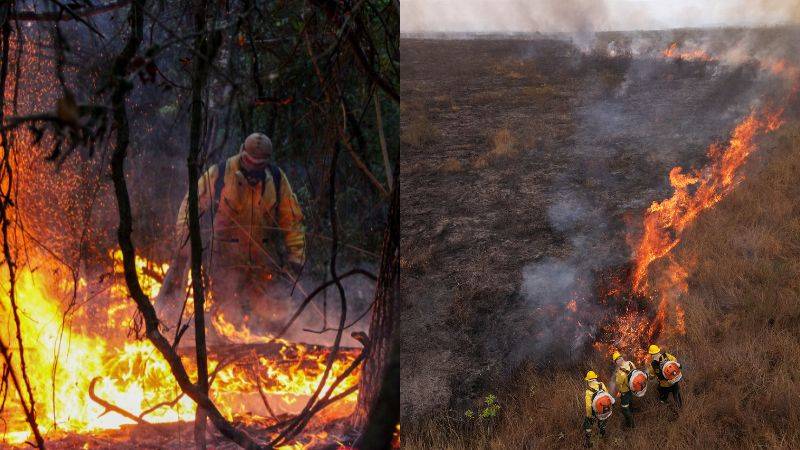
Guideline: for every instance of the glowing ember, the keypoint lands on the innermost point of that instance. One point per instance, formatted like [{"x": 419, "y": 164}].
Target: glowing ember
[{"x": 572, "y": 305}]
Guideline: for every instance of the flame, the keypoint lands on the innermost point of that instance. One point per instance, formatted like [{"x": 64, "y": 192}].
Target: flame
[
  {"x": 662, "y": 227},
  {"x": 652, "y": 305},
  {"x": 674, "y": 52},
  {"x": 78, "y": 330},
  {"x": 572, "y": 305},
  {"x": 62, "y": 360},
  {"x": 664, "y": 221}
]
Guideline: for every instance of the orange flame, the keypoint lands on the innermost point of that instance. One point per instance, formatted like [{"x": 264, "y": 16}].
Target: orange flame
[
  {"x": 61, "y": 362},
  {"x": 664, "y": 221},
  {"x": 674, "y": 52}
]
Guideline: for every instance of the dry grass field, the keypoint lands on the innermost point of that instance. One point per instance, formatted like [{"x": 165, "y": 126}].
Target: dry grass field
[
  {"x": 517, "y": 153},
  {"x": 742, "y": 313}
]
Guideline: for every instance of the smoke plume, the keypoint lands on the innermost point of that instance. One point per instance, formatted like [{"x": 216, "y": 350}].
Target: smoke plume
[{"x": 503, "y": 16}]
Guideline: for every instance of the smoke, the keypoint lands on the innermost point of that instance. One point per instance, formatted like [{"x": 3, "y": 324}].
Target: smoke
[
  {"x": 504, "y": 16},
  {"x": 553, "y": 289},
  {"x": 501, "y": 16},
  {"x": 652, "y": 113}
]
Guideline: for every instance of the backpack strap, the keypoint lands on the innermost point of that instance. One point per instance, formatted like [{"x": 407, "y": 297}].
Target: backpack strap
[
  {"x": 657, "y": 369},
  {"x": 218, "y": 185},
  {"x": 627, "y": 371},
  {"x": 275, "y": 171}
]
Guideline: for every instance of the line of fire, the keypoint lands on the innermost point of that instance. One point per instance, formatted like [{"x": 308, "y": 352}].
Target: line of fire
[
  {"x": 199, "y": 205},
  {"x": 638, "y": 301}
]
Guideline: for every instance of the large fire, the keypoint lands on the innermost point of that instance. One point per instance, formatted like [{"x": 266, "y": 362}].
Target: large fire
[
  {"x": 78, "y": 328},
  {"x": 653, "y": 306},
  {"x": 65, "y": 352}
]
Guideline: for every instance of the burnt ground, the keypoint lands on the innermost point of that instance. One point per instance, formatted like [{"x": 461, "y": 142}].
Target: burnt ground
[{"x": 595, "y": 136}]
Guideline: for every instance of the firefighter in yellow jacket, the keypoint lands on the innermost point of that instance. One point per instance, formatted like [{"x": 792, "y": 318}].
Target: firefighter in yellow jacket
[
  {"x": 593, "y": 388},
  {"x": 665, "y": 387},
  {"x": 622, "y": 370},
  {"x": 254, "y": 231}
]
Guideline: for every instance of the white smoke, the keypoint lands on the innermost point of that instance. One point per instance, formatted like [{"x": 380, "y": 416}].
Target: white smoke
[{"x": 508, "y": 16}]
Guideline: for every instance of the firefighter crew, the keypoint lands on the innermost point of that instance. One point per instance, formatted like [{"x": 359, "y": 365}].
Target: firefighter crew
[
  {"x": 622, "y": 370},
  {"x": 665, "y": 387},
  {"x": 593, "y": 386},
  {"x": 256, "y": 233}
]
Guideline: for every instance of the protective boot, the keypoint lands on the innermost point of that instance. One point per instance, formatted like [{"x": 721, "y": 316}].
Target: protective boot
[
  {"x": 628, "y": 416},
  {"x": 602, "y": 426},
  {"x": 629, "y": 421},
  {"x": 588, "y": 442},
  {"x": 677, "y": 394}
]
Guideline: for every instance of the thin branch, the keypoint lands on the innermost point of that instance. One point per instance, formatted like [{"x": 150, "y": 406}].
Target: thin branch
[
  {"x": 387, "y": 166},
  {"x": 5, "y": 204},
  {"x": 307, "y": 411},
  {"x": 77, "y": 17},
  {"x": 125, "y": 230},
  {"x": 110, "y": 407},
  {"x": 208, "y": 48},
  {"x": 30, "y": 16}
]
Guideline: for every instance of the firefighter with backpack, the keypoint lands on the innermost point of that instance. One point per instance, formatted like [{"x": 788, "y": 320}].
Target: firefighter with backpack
[
  {"x": 667, "y": 370},
  {"x": 598, "y": 404},
  {"x": 253, "y": 238},
  {"x": 630, "y": 382}
]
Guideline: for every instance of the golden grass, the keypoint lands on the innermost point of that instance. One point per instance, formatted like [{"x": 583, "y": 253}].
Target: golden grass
[
  {"x": 740, "y": 350},
  {"x": 452, "y": 165},
  {"x": 502, "y": 145},
  {"x": 539, "y": 92},
  {"x": 419, "y": 130}
]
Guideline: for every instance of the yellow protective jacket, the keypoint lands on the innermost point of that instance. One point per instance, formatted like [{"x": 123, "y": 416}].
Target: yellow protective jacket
[
  {"x": 589, "y": 395},
  {"x": 245, "y": 229},
  {"x": 621, "y": 376},
  {"x": 651, "y": 371}
]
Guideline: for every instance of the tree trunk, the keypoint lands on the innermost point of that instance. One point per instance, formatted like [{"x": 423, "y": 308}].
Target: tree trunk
[
  {"x": 385, "y": 315},
  {"x": 206, "y": 51}
]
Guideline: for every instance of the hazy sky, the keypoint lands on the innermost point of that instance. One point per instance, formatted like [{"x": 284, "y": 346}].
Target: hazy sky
[{"x": 589, "y": 15}]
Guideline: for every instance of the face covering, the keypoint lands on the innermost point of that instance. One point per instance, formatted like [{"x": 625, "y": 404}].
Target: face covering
[{"x": 254, "y": 176}]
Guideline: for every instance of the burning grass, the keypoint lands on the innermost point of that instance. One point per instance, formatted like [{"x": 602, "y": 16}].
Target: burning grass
[{"x": 741, "y": 311}]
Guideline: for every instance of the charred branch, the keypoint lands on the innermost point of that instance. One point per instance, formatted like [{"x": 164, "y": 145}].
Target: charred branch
[
  {"x": 125, "y": 230},
  {"x": 6, "y": 203},
  {"x": 110, "y": 407},
  {"x": 199, "y": 75},
  {"x": 87, "y": 11},
  {"x": 384, "y": 323}
]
